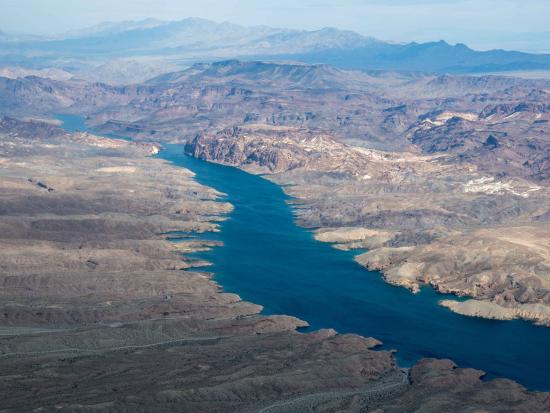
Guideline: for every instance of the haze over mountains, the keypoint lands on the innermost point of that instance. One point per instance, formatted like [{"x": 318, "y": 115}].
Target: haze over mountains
[{"x": 154, "y": 43}]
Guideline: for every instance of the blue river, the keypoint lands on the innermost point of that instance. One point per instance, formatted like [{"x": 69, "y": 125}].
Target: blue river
[{"x": 269, "y": 260}]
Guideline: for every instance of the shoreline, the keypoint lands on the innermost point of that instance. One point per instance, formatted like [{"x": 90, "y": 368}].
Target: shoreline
[
  {"x": 99, "y": 263},
  {"x": 97, "y": 270},
  {"x": 290, "y": 198},
  {"x": 465, "y": 305},
  {"x": 290, "y": 201}
]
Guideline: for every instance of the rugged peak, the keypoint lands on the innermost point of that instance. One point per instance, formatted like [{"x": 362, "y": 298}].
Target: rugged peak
[
  {"x": 227, "y": 63},
  {"x": 298, "y": 74},
  {"x": 295, "y": 72},
  {"x": 461, "y": 46},
  {"x": 505, "y": 109}
]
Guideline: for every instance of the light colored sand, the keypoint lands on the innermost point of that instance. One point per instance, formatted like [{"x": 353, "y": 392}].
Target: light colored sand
[{"x": 538, "y": 313}]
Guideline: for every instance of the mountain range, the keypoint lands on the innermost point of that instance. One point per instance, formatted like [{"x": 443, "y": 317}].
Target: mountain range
[{"x": 192, "y": 40}]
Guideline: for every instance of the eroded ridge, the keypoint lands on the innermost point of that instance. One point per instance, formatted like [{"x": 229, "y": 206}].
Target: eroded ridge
[{"x": 423, "y": 218}]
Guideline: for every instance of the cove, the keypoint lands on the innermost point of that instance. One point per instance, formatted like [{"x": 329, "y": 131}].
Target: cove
[{"x": 267, "y": 259}]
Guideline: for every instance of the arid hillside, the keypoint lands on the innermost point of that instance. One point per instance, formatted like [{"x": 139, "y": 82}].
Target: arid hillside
[
  {"x": 443, "y": 179},
  {"x": 446, "y": 167},
  {"x": 101, "y": 312}
]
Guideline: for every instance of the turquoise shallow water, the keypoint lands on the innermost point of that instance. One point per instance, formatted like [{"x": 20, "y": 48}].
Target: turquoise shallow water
[{"x": 268, "y": 260}]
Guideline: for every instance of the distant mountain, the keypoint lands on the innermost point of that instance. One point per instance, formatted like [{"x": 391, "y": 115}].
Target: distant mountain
[
  {"x": 310, "y": 76},
  {"x": 535, "y": 42},
  {"x": 193, "y": 40},
  {"x": 438, "y": 57},
  {"x": 19, "y": 72},
  {"x": 4, "y": 36},
  {"x": 126, "y": 71},
  {"x": 111, "y": 28}
]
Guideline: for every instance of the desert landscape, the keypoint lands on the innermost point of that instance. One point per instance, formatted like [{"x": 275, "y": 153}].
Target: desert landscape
[
  {"x": 101, "y": 304},
  {"x": 440, "y": 215},
  {"x": 434, "y": 176}
]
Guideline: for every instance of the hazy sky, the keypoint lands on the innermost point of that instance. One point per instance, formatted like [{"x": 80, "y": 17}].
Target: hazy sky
[{"x": 520, "y": 24}]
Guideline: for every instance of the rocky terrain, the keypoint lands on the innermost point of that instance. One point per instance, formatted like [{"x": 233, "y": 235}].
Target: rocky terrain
[
  {"x": 443, "y": 179},
  {"x": 20, "y": 72},
  {"x": 101, "y": 312},
  {"x": 97, "y": 304},
  {"x": 422, "y": 218},
  {"x": 432, "y": 174},
  {"x": 445, "y": 168}
]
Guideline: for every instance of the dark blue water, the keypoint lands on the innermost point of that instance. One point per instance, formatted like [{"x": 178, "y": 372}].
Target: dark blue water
[{"x": 268, "y": 260}]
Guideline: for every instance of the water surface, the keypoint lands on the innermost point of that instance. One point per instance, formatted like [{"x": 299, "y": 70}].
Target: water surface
[{"x": 268, "y": 260}]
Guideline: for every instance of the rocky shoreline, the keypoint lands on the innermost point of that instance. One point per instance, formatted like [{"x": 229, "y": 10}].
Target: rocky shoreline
[
  {"x": 450, "y": 166},
  {"x": 428, "y": 173},
  {"x": 415, "y": 234},
  {"x": 100, "y": 312}
]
